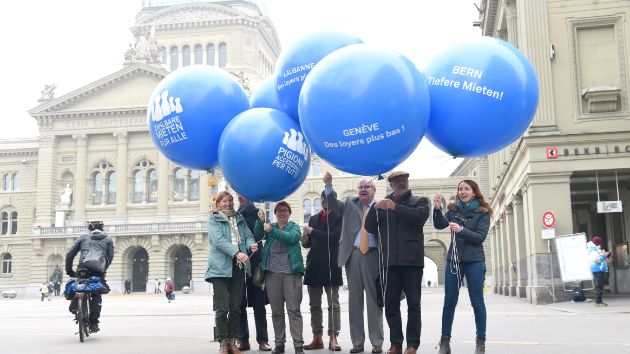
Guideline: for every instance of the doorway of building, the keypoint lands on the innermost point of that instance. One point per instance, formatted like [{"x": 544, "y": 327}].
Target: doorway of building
[
  {"x": 430, "y": 273},
  {"x": 182, "y": 261},
  {"x": 140, "y": 270}
]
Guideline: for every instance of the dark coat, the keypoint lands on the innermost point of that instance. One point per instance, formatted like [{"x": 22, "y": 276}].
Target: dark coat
[
  {"x": 403, "y": 243},
  {"x": 470, "y": 241},
  {"x": 96, "y": 239},
  {"x": 320, "y": 269},
  {"x": 253, "y": 295}
]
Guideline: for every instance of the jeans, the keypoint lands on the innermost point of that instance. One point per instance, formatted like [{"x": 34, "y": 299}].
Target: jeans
[{"x": 475, "y": 274}]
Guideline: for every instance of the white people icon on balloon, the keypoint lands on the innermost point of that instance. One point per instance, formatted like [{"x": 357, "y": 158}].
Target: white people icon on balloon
[
  {"x": 163, "y": 106},
  {"x": 295, "y": 141}
]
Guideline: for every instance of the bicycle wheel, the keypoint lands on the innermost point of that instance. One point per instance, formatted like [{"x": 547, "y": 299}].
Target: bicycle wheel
[
  {"x": 81, "y": 319},
  {"x": 86, "y": 314}
]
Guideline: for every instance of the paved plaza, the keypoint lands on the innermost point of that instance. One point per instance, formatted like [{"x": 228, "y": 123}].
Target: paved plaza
[{"x": 146, "y": 323}]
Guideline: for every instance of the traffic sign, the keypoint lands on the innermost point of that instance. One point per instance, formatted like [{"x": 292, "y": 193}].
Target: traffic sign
[{"x": 548, "y": 219}]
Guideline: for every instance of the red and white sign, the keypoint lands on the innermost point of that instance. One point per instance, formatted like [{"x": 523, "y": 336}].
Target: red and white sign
[
  {"x": 552, "y": 153},
  {"x": 548, "y": 219}
]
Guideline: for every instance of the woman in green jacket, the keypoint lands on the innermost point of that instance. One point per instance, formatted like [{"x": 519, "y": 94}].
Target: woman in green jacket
[
  {"x": 284, "y": 267},
  {"x": 229, "y": 238}
]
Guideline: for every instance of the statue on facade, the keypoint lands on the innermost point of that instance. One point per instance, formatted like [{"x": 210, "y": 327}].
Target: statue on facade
[
  {"x": 56, "y": 276},
  {"x": 146, "y": 48},
  {"x": 66, "y": 195},
  {"x": 48, "y": 92},
  {"x": 130, "y": 55}
]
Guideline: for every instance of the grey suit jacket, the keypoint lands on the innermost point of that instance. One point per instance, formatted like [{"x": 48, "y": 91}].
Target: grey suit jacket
[{"x": 351, "y": 212}]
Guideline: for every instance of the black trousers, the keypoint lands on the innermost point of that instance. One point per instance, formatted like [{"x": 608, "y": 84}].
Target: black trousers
[
  {"x": 407, "y": 279},
  {"x": 599, "y": 278},
  {"x": 260, "y": 317}
]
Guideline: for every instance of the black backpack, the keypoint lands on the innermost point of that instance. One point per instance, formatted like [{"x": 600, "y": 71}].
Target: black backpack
[{"x": 577, "y": 294}]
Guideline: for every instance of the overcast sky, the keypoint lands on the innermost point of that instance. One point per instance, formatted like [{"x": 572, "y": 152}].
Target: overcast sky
[{"x": 74, "y": 42}]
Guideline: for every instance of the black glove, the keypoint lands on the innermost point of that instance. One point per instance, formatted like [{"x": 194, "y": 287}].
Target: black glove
[{"x": 71, "y": 273}]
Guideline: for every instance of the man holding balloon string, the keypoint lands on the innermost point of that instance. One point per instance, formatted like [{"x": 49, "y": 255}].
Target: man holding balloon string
[
  {"x": 358, "y": 251},
  {"x": 398, "y": 220}
]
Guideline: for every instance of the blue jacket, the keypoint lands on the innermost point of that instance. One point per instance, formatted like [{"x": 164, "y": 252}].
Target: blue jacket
[
  {"x": 597, "y": 258},
  {"x": 222, "y": 251}
]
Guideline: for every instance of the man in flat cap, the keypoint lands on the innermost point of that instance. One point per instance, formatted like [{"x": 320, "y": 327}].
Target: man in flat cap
[{"x": 401, "y": 217}]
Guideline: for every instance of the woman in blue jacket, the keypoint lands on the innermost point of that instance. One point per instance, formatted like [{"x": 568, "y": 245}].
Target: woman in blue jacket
[
  {"x": 468, "y": 218},
  {"x": 229, "y": 239}
]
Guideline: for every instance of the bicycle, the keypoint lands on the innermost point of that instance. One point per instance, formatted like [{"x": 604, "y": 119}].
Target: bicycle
[{"x": 82, "y": 316}]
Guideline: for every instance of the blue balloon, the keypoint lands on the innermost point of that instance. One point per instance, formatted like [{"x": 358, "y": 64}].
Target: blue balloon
[
  {"x": 364, "y": 109},
  {"x": 265, "y": 95},
  {"x": 484, "y": 95},
  {"x": 188, "y": 111},
  {"x": 296, "y": 62},
  {"x": 263, "y": 155}
]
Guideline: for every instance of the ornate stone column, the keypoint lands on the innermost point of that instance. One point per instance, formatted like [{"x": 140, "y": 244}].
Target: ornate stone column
[
  {"x": 511, "y": 248},
  {"x": 204, "y": 195},
  {"x": 122, "y": 195},
  {"x": 46, "y": 196},
  {"x": 509, "y": 6},
  {"x": 82, "y": 180},
  {"x": 521, "y": 254}
]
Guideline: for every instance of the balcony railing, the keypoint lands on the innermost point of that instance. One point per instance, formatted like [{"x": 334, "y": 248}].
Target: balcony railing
[{"x": 126, "y": 229}]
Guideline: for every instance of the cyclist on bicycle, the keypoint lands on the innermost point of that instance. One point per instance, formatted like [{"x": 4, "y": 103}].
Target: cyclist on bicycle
[{"x": 102, "y": 242}]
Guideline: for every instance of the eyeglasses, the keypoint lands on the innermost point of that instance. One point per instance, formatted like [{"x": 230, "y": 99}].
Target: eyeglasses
[
  {"x": 364, "y": 187},
  {"x": 282, "y": 211}
]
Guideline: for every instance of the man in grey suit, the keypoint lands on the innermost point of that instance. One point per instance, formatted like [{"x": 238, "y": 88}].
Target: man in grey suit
[{"x": 358, "y": 251}]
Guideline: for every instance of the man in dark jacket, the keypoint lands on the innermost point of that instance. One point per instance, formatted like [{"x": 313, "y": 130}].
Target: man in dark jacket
[
  {"x": 253, "y": 296},
  {"x": 401, "y": 217},
  {"x": 102, "y": 242},
  {"x": 322, "y": 273}
]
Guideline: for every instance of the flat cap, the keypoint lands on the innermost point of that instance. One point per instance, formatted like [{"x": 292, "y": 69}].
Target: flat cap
[{"x": 396, "y": 174}]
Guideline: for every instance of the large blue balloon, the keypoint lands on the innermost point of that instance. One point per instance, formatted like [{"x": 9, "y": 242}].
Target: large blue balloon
[
  {"x": 265, "y": 95},
  {"x": 484, "y": 94},
  {"x": 364, "y": 109},
  {"x": 263, "y": 155},
  {"x": 188, "y": 111},
  {"x": 296, "y": 62}
]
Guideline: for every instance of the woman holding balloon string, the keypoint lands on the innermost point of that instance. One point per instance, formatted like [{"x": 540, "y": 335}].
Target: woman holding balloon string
[
  {"x": 229, "y": 239},
  {"x": 468, "y": 218},
  {"x": 284, "y": 267}
]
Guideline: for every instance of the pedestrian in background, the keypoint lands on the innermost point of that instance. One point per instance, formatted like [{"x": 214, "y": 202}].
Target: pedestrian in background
[
  {"x": 127, "y": 287},
  {"x": 468, "y": 219},
  {"x": 599, "y": 266},
  {"x": 57, "y": 288},
  {"x": 168, "y": 289},
  {"x": 51, "y": 289},
  {"x": 43, "y": 290}
]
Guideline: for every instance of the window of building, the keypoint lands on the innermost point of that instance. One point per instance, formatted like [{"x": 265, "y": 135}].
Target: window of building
[
  {"x": 193, "y": 191},
  {"x": 210, "y": 53},
  {"x": 179, "y": 185},
  {"x": 6, "y": 179},
  {"x": 271, "y": 217},
  {"x": 174, "y": 58},
  {"x": 222, "y": 55},
  {"x": 5, "y": 223},
  {"x": 103, "y": 184},
  {"x": 308, "y": 208},
  {"x": 198, "y": 54},
  {"x": 186, "y": 185},
  {"x": 15, "y": 181},
  {"x": 315, "y": 171},
  {"x": 6, "y": 263},
  {"x": 145, "y": 182},
  {"x": 186, "y": 55},
  {"x": 14, "y": 222},
  {"x": 163, "y": 55}
]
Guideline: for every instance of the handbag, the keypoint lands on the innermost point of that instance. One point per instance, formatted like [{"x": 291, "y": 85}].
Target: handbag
[{"x": 258, "y": 276}]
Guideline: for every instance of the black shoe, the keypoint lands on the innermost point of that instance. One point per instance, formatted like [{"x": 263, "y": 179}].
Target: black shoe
[
  {"x": 279, "y": 349},
  {"x": 74, "y": 305},
  {"x": 94, "y": 328},
  {"x": 356, "y": 349},
  {"x": 377, "y": 349}
]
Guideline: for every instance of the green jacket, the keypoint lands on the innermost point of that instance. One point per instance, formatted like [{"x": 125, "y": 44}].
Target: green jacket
[
  {"x": 222, "y": 251},
  {"x": 290, "y": 236}
]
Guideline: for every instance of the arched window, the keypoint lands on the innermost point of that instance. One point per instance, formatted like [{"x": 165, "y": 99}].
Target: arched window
[
  {"x": 174, "y": 58},
  {"x": 6, "y": 263},
  {"x": 307, "y": 210},
  {"x": 180, "y": 184},
  {"x": 5, "y": 223},
  {"x": 14, "y": 222},
  {"x": 317, "y": 206},
  {"x": 97, "y": 188},
  {"x": 210, "y": 54},
  {"x": 222, "y": 55},
  {"x": 186, "y": 55},
  {"x": 163, "y": 54},
  {"x": 6, "y": 182},
  {"x": 315, "y": 167},
  {"x": 193, "y": 190},
  {"x": 153, "y": 186},
  {"x": 138, "y": 186},
  {"x": 111, "y": 187},
  {"x": 198, "y": 54},
  {"x": 15, "y": 181}
]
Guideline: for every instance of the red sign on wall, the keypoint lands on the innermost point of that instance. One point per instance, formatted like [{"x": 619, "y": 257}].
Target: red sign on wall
[
  {"x": 548, "y": 219},
  {"x": 552, "y": 153}
]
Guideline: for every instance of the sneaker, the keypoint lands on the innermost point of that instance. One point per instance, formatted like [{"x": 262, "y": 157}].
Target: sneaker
[
  {"x": 94, "y": 327},
  {"x": 601, "y": 304}
]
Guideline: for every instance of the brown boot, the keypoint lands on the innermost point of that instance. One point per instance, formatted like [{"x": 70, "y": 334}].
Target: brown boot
[
  {"x": 223, "y": 347},
  {"x": 317, "y": 342},
  {"x": 333, "y": 344},
  {"x": 243, "y": 345},
  {"x": 232, "y": 347},
  {"x": 394, "y": 349},
  {"x": 411, "y": 350}
]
